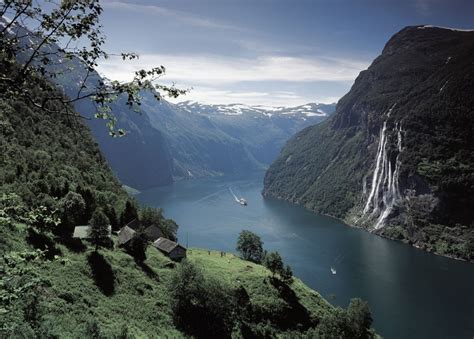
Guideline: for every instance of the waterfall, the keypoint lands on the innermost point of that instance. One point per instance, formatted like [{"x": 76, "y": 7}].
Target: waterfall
[
  {"x": 385, "y": 191},
  {"x": 377, "y": 167}
]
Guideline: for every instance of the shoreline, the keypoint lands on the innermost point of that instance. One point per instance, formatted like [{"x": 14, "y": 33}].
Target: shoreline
[{"x": 346, "y": 223}]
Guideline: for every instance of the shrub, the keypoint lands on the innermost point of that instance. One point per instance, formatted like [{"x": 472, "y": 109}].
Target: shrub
[{"x": 250, "y": 246}]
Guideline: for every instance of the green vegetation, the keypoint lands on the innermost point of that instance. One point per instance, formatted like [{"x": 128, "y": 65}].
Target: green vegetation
[
  {"x": 250, "y": 246},
  {"x": 45, "y": 50},
  {"x": 274, "y": 263},
  {"x": 53, "y": 177},
  {"x": 81, "y": 290},
  {"x": 98, "y": 231},
  {"x": 56, "y": 286}
]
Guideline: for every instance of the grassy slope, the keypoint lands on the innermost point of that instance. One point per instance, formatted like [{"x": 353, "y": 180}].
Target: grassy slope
[
  {"x": 137, "y": 297},
  {"x": 235, "y": 271}
]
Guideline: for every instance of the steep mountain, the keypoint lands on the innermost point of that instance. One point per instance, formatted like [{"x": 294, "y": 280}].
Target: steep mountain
[
  {"x": 190, "y": 140},
  {"x": 167, "y": 142},
  {"x": 262, "y": 129},
  {"x": 148, "y": 162},
  {"x": 396, "y": 157}
]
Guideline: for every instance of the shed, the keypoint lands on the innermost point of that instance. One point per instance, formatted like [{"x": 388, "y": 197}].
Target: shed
[
  {"x": 82, "y": 232},
  {"x": 125, "y": 235},
  {"x": 134, "y": 224},
  {"x": 152, "y": 233},
  {"x": 170, "y": 248}
]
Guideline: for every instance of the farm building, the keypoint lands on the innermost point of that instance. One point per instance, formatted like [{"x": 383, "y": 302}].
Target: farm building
[
  {"x": 152, "y": 233},
  {"x": 170, "y": 248},
  {"x": 82, "y": 232},
  {"x": 134, "y": 224},
  {"x": 125, "y": 235}
]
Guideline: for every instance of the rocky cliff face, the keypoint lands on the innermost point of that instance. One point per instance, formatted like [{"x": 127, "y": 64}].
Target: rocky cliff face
[{"x": 396, "y": 158}]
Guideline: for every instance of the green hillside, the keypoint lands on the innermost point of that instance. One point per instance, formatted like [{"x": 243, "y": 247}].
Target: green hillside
[{"x": 53, "y": 177}]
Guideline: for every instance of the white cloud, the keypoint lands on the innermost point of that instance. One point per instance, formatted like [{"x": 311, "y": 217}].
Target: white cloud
[
  {"x": 163, "y": 11},
  {"x": 212, "y": 70},
  {"x": 213, "y": 79},
  {"x": 209, "y": 95}
]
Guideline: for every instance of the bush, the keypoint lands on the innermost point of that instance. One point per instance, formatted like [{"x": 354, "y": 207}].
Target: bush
[
  {"x": 250, "y": 246},
  {"x": 73, "y": 207},
  {"x": 202, "y": 306},
  {"x": 274, "y": 263}
]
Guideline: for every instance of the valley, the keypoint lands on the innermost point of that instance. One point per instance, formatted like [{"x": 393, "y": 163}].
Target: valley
[
  {"x": 407, "y": 288},
  {"x": 211, "y": 170}
]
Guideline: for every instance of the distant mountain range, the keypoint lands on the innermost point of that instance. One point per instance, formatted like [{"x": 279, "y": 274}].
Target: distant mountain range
[
  {"x": 200, "y": 140},
  {"x": 169, "y": 142},
  {"x": 303, "y": 111},
  {"x": 396, "y": 157}
]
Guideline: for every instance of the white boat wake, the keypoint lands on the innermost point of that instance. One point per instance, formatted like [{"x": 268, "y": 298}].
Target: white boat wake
[{"x": 241, "y": 201}]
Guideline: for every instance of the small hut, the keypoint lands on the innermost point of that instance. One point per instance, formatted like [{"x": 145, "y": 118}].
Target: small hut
[
  {"x": 125, "y": 235},
  {"x": 152, "y": 233},
  {"x": 82, "y": 232},
  {"x": 134, "y": 224},
  {"x": 170, "y": 248}
]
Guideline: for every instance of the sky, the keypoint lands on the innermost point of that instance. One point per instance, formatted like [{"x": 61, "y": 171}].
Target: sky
[{"x": 263, "y": 52}]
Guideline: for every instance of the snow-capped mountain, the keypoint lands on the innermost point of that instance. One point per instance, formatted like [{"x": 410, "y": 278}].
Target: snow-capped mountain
[{"x": 303, "y": 112}]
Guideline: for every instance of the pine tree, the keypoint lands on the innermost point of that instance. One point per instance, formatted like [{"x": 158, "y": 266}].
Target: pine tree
[{"x": 99, "y": 229}]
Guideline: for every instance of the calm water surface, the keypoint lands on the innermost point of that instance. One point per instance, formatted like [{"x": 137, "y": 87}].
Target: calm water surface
[{"x": 412, "y": 294}]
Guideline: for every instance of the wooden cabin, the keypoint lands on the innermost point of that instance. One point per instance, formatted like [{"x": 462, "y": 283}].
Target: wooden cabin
[
  {"x": 125, "y": 235},
  {"x": 82, "y": 231},
  {"x": 170, "y": 248},
  {"x": 152, "y": 233}
]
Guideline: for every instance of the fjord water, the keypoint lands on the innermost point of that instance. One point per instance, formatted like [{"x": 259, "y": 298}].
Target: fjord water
[{"x": 412, "y": 294}]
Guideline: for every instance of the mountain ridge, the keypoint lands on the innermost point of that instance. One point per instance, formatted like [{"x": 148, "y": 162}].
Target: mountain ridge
[{"x": 395, "y": 157}]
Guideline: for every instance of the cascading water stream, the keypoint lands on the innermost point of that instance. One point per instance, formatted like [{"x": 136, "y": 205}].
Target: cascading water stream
[
  {"x": 377, "y": 167},
  {"x": 384, "y": 192}
]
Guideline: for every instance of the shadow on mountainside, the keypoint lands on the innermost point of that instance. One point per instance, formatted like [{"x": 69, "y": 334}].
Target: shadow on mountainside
[
  {"x": 102, "y": 273},
  {"x": 44, "y": 243},
  {"x": 296, "y": 315}
]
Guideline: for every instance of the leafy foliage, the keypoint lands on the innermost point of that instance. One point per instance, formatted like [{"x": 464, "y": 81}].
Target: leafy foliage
[
  {"x": 55, "y": 171},
  {"x": 45, "y": 49},
  {"x": 73, "y": 206},
  {"x": 42, "y": 219},
  {"x": 137, "y": 247},
  {"x": 250, "y": 246},
  {"x": 99, "y": 229},
  {"x": 274, "y": 263},
  {"x": 202, "y": 306}
]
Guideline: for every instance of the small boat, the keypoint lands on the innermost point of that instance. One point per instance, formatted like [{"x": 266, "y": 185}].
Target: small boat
[
  {"x": 242, "y": 201},
  {"x": 333, "y": 270}
]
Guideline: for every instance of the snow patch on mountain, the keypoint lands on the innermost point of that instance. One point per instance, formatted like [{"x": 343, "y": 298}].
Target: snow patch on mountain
[{"x": 449, "y": 28}]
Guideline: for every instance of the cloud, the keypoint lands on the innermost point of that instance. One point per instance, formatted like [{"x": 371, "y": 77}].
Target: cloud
[
  {"x": 163, "y": 11},
  {"x": 252, "y": 81},
  {"x": 423, "y": 7},
  {"x": 211, "y": 95},
  {"x": 427, "y": 7},
  {"x": 212, "y": 70}
]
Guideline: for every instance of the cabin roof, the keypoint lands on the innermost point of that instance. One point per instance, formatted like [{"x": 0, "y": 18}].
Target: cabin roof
[
  {"x": 82, "y": 231},
  {"x": 125, "y": 235},
  {"x": 152, "y": 233},
  {"x": 134, "y": 224},
  {"x": 166, "y": 245}
]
